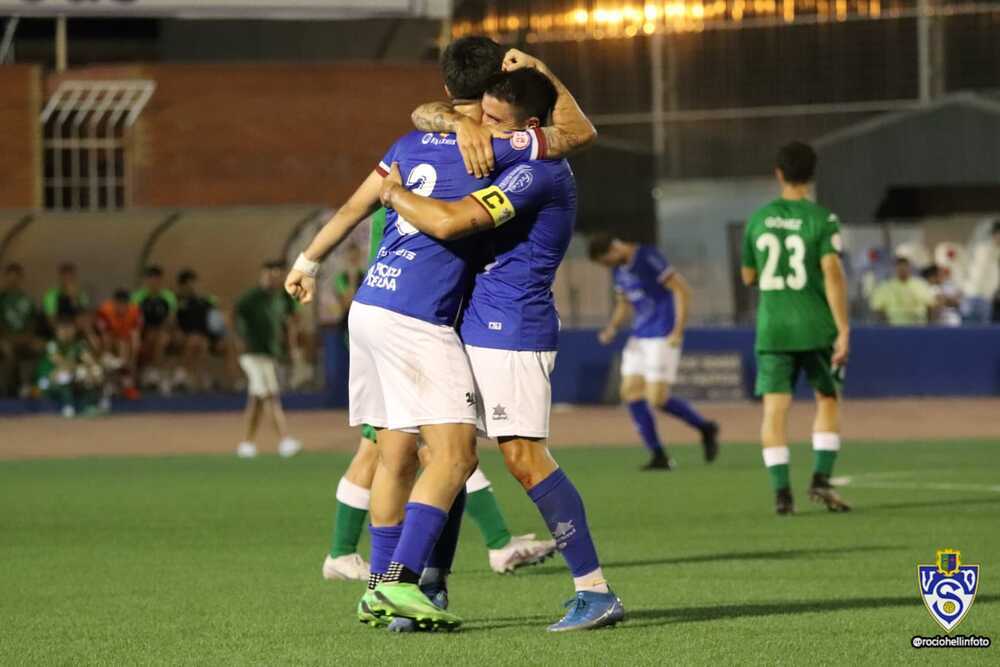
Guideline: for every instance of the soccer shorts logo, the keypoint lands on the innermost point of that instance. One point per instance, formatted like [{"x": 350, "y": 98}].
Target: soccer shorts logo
[{"x": 948, "y": 588}]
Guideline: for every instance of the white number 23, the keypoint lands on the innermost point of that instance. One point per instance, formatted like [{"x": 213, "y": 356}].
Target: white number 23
[{"x": 771, "y": 244}]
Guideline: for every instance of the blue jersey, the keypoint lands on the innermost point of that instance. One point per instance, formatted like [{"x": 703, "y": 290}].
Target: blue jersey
[
  {"x": 512, "y": 306},
  {"x": 414, "y": 274},
  {"x": 641, "y": 282}
]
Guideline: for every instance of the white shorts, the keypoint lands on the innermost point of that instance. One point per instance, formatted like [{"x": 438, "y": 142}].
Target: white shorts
[
  {"x": 407, "y": 373},
  {"x": 515, "y": 393},
  {"x": 653, "y": 358},
  {"x": 262, "y": 375}
]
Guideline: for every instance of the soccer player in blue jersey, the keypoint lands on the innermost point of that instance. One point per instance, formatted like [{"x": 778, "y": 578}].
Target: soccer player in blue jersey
[
  {"x": 510, "y": 326},
  {"x": 657, "y": 298},
  {"x": 409, "y": 371}
]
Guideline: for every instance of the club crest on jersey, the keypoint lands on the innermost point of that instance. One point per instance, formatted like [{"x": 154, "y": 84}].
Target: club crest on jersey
[
  {"x": 518, "y": 180},
  {"x": 520, "y": 140},
  {"x": 948, "y": 588}
]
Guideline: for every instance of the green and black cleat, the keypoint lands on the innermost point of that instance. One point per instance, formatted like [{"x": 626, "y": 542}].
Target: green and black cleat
[
  {"x": 369, "y": 616},
  {"x": 821, "y": 491},
  {"x": 784, "y": 505},
  {"x": 408, "y": 601}
]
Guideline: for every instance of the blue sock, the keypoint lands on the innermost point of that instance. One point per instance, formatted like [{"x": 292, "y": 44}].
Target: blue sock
[
  {"x": 384, "y": 541},
  {"x": 642, "y": 417},
  {"x": 684, "y": 411},
  {"x": 443, "y": 554},
  {"x": 562, "y": 508},
  {"x": 421, "y": 528}
]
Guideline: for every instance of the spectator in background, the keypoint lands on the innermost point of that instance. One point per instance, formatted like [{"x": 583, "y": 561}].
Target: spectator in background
[
  {"x": 201, "y": 331},
  {"x": 19, "y": 344},
  {"x": 158, "y": 306},
  {"x": 118, "y": 325},
  {"x": 69, "y": 373},
  {"x": 67, "y": 299},
  {"x": 265, "y": 320},
  {"x": 983, "y": 279},
  {"x": 947, "y": 297},
  {"x": 903, "y": 300}
]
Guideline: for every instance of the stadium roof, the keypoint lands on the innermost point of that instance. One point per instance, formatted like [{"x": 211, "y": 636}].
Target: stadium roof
[
  {"x": 953, "y": 142},
  {"x": 242, "y": 9}
]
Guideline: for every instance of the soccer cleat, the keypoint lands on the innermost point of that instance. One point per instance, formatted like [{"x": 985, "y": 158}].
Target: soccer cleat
[
  {"x": 246, "y": 450},
  {"x": 590, "y": 610},
  {"x": 710, "y": 441},
  {"x": 366, "y": 613},
  {"x": 783, "y": 503},
  {"x": 398, "y": 599},
  {"x": 436, "y": 593},
  {"x": 659, "y": 462},
  {"x": 521, "y": 551},
  {"x": 289, "y": 447},
  {"x": 821, "y": 491},
  {"x": 345, "y": 568}
]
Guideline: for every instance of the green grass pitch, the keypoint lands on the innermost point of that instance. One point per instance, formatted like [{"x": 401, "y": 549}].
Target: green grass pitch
[{"x": 213, "y": 560}]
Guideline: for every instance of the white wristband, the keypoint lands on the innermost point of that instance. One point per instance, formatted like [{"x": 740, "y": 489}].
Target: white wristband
[{"x": 305, "y": 265}]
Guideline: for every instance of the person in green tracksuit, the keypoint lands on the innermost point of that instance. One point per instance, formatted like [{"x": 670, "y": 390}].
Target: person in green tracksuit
[
  {"x": 68, "y": 373},
  {"x": 506, "y": 551},
  {"x": 791, "y": 251}
]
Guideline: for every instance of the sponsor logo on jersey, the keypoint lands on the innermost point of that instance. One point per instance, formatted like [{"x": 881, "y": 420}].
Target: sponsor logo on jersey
[
  {"x": 948, "y": 588},
  {"x": 518, "y": 180},
  {"x": 496, "y": 326},
  {"x": 791, "y": 224},
  {"x": 520, "y": 140},
  {"x": 499, "y": 413},
  {"x": 438, "y": 139},
  {"x": 383, "y": 276},
  {"x": 405, "y": 254}
]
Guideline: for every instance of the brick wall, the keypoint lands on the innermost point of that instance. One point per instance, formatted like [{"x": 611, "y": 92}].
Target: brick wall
[
  {"x": 270, "y": 134},
  {"x": 20, "y": 140}
]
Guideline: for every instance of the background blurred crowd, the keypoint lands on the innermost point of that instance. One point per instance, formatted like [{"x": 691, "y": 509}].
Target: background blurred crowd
[
  {"x": 156, "y": 338},
  {"x": 955, "y": 286}
]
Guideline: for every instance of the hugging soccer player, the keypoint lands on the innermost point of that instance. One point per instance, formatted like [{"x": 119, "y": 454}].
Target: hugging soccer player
[
  {"x": 403, "y": 320},
  {"x": 657, "y": 298},
  {"x": 510, "y": 327},
  {"x": 791, "y": 251}
]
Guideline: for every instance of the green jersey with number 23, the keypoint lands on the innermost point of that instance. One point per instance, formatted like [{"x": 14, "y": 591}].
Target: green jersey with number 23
[{"x": 785, "y": 241}]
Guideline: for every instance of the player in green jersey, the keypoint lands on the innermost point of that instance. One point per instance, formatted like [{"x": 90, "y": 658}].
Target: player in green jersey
[
  {"x": 791, "y": 251},
  {"x": 506, "y": 551}
]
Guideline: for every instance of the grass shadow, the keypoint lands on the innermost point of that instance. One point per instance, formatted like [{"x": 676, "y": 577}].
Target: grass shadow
[
  {"x": 640, "y": 618},
  {"x": 773, "y": 554}
]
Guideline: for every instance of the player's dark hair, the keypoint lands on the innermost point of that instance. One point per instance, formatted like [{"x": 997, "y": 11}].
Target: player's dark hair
[
  {"x": 186, "y": 276},
  {"x": 153, "y": 271},
  {"x": 902, "y": 260},
  {"x": 797, "y": 162},
  {"x": 599, "y": 245},
  {"x": 65, "y": 320},
  {"x": 930, "y": 272},
  {"x": 121, "y": 295},
  {"x": 14, "y": 267},
  {"x": 468, "y": 63},
  {"x": 530, "y": 92},
  {"x": 66, "y": 268}
]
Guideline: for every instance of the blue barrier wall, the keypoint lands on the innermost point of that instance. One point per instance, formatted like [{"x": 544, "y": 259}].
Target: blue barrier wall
[{"x": 885, "y": 361}]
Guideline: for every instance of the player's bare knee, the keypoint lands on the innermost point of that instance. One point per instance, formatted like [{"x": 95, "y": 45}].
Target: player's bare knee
[
  {"x": 632, "y": 389},
  {"x": 657, "y": 393}
]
